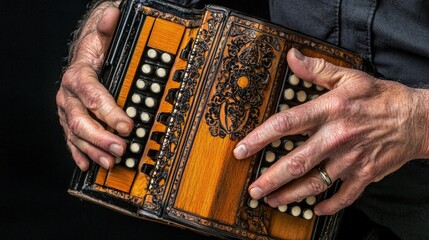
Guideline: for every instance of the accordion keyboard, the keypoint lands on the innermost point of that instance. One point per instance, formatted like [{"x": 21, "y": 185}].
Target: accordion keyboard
[{"x": 295, "y": 92}]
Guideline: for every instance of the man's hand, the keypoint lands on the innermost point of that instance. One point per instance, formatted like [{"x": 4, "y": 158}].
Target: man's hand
[
  {"x": 82, "y": 100},
  {"x": 361, "y": 130}
]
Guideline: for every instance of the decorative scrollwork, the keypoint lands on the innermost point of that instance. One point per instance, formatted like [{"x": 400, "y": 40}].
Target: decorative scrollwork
[{"x": 234, "y": 108}]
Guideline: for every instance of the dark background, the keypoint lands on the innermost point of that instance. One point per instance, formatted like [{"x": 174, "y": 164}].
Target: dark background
[{"x": 36, "y": 168}]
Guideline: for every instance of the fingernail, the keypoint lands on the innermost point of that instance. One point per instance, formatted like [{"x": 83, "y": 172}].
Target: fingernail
[
  {"x": 240, "y": 151},
  {"x": 123, "y": 128},
  {"x": 104, "y": 162},
  {"x": 256, "y": 193},
  {"x": 318, "y": 213},
  {"x": 298, "y": 54},
  {"x": 116, "y": 150}
]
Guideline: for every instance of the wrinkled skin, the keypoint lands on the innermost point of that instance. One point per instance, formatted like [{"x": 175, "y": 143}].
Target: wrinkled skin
[
  {"x": 81, "y": 96},
  {"x": 362, "y": 130}
]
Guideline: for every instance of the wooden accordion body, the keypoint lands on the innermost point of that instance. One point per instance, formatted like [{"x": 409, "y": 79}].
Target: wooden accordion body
[{"x": 196, "y": 82}]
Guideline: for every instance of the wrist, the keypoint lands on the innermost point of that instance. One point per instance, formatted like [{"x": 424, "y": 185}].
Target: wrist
[
  {"x": 420, "y": 110},
  {"x": 88, "y": 24}
]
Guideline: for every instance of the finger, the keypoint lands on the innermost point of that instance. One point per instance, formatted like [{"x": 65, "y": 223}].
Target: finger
[
  {"x": 78, "y": 123},
  {"x": 298, "y": 163},
  {"x": 80, "y": 158},
  {"x": 97, "y": 155},
  {"x": 349, "y": 191},
  {"x": 317, "y": 70},
  {"x": 299, "y": 119},
  {"x": 107, "y": 24},
  {"x": 80, "y": 80}
]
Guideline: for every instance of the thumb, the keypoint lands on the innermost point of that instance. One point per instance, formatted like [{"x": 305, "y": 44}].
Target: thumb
[
  {"x": 107, "y": 24},
  {"x": 315, "y": 70}
]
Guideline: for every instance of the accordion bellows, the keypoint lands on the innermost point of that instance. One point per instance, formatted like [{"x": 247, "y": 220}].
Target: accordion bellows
[{"x": 195, "y": 82}]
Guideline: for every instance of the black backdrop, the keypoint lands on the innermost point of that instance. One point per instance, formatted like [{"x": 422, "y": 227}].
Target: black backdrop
[{"x": 35, "y": 166}]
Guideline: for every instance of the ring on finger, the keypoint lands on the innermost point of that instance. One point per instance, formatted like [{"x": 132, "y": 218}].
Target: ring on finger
[{"x": 324, "y": 175}]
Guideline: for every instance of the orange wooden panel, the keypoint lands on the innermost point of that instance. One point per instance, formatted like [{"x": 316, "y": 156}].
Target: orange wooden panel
[
  {"x": 101, "y": 176},
  {"x": 120, "y": 178},
  {"x": 284, "y": 226},
  {"x": 166, "y": 36}
]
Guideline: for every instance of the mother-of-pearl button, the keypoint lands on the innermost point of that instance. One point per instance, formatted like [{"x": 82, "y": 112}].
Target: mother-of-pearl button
[
  {"x": 146, "y": 69},
  {"x": 293, "y": 80},
  {"x": 253, "y": 203},
  {"x": 131, "y": 112},
  {"x": 149, "y": 102},
  {"x": 141, "y": 132},
  {"x": 288, "y": 145},
  {"x": 307, "y": 84},
  {"x": 151, "y": 53},
  {"x": 283, "y": 107},
  {"x": 155, "y": 88},
  {"x": 289, "y": 94},
  {"x": 270, "y": 156},
  {"x": 136, "y": 98},
  {"x": 161, "y": 72},
  {"x": 295, "y": 211},
  {"x": 130, "y": 162},
  {"x": 301, "y": 96},
  {"x": 310, "y": 200},
  {"x": 135, "y": 147},
  {"x": 145, "y": 117},
  {"x": 282, "y": 208},
  {"x": 141, "y": 84},
  {"x": 166, "y": 58},
  {"x": 276, "y": 143},
  {"x": 308, "y": 214}
]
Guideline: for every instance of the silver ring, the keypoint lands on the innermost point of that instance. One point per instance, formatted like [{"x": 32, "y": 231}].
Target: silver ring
[{"x": 324, "y": 175}]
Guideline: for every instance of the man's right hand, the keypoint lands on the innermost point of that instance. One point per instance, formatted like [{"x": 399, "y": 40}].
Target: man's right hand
[{"x": 83, "y": 101}]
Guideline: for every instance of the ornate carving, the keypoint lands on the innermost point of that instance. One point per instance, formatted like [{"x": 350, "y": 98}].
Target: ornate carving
[
  {"x": 182, "y": 106},
  {"x": 234, "y": 108}
]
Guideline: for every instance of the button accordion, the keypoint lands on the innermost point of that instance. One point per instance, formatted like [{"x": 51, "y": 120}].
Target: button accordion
[{"x": 195, "y": 82}]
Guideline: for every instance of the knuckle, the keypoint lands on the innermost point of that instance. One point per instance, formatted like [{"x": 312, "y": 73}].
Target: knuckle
[
  {"x": 74, "y": 124},
  {"x": 366, "y": 174},
  {"x": 297, "y": 166},
  {"x": 281, "y": 122},
  {"x": 271, "y": 182},
  {"x": 344, "y": 201},
  {"x": 319, "y": 65},
  {"x": 316, "y": 185}
]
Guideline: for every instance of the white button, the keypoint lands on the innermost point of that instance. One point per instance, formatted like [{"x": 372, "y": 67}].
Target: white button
[
  {"x": 276, "y": 143},
  {"x": 149, "y": 102},
  {"x": 288, "y": 94},
  {"x": 146, "y": 69},
  {"x": 165, "y": 57},
  {"x": 253, "y": 203},
  {"x": 131, "y": 112},
  {"x": 288, "y": 145},
  {"x": 283, "y": 107},
  {"x": 151, "y": 53},
  {"x": 295, "y": 211},
  {"x": 270, "y": 156},
  {"x": 155, "y": 88},
  {"x": 136, "y": 98},
  {"x": 140, "y": 132},
  {"x": 307, "y": 84},
  {"x": 130, "y": 162},
  {"x": 161, "y": 72},
  {"x": 293, "y": 80},
  {"x": 308, "y": 214},
  {"x": 282, "y": 208},
  {"x": 301, "y": 96},
  {"x": 135, "y": 147},
  {"x": 310, "y": 200},
  {"x": 141, "y": 84},
  {"x": 145, "y": 117}
]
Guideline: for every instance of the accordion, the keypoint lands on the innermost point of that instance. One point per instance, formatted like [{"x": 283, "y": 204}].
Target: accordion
[{"x": 195, "y": 82}]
